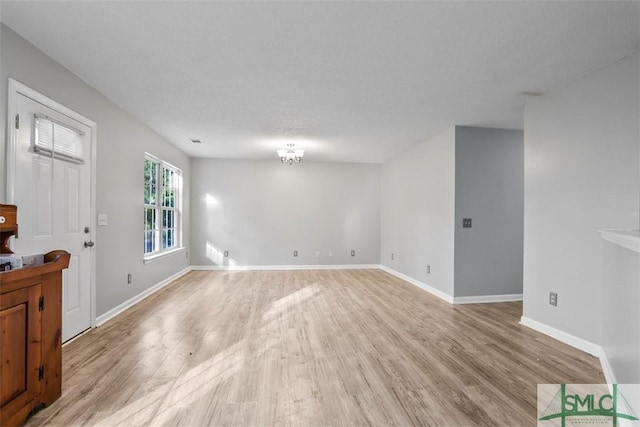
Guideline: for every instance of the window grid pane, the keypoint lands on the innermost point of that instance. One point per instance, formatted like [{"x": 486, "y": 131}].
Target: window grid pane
[
  {"x": 150, "y": 222},
  {"x": 168, "y": 238},
  {"x": 168, "y": 188},
  {"x": 168, "y": 218},
  {"x": 150, "y": 241},
  {"x": 150, "y": 184}
]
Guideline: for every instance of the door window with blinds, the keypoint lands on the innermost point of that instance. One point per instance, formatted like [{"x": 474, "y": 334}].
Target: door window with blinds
[
  {"x": 162, "y": 225},
  {"x": 52, "y": 138}
]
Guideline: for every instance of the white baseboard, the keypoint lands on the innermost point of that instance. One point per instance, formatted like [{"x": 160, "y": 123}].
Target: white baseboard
[
  {"x": 579, "y": 343},
  {"x": 584, "y": 345},
  {"x": 136, "y": 299},
  {"x": 482, "y": 299},
  {"x": 436, "y": 292},
  {"x": 284, "y": 267}
]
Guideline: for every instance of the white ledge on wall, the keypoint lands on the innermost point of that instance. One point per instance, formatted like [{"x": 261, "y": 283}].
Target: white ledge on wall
[{"x": 629, "y": 239}]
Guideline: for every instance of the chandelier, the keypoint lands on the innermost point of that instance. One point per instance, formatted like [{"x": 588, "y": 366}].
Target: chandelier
[{"x": 290, "y": 155}]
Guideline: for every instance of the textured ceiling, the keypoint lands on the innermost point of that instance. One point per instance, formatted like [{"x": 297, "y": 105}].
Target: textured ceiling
[{"x": 347, "y": 81}]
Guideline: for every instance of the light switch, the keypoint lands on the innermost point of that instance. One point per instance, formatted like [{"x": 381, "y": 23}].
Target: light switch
[{"x": 102, "y": 219}]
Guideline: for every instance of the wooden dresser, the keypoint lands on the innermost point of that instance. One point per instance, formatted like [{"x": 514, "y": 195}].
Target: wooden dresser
[{"x": 31, "y": 337}]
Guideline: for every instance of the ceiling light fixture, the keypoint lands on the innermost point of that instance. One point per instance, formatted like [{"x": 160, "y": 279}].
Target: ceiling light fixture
[{"x": 290, "y": 155}]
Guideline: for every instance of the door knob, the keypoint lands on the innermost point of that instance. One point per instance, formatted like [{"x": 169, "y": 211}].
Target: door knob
[{"x": 88, "y": 244}]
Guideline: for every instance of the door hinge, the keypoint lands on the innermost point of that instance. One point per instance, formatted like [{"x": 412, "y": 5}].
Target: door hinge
[
  {"x": 41, "y": 304},
  {"x": 17, "y": 121},
  {"x": 41, "y": 373}
]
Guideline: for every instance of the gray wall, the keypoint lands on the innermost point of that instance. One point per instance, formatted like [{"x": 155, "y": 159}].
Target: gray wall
[
  {"x": 418, "y": 201},
  {"x": 582, "y": 173},
  {"x": 261, "y": 211},
  {"x": 122, "y": 141},
  {"x": 621, "y": 316},
  {"x": 490, "y": 191}
]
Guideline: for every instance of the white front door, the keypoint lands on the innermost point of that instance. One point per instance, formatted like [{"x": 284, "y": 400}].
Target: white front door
[{"x": 50, "y": 161}]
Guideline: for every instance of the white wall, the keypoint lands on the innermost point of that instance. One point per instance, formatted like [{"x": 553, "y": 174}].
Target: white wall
[
  {"x": 418, "y": 202},
  {"x": 261, "y": 211},
  {"x": 122, "y": 141},
  {"x": 582, "y": 172},
  {"x": 490, "y": 191}
]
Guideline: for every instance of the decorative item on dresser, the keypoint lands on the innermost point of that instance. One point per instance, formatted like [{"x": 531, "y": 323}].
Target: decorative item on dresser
[
  {"x": 8, "y": 226},
  {"x": 30, "y": 339}
]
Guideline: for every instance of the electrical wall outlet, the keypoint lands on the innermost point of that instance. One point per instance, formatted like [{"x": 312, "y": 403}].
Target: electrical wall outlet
[
  {"x": 428, "y": 269},
  {"x": 466, "y": 222},
  {"x": 392, "y": 256},
  {"x": 295, "y": 253},
  {"x": 317, "y": 254},
  {"x": 103, "y": 219},
  {"x": 129, "y": 278},
  {"x": 553, "y": 299},
  {"x": 226, "y": 254},
  {"x": 353, "y": 253}
]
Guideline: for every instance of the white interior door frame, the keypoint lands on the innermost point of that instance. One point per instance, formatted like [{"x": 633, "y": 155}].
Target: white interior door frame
[{"x": 15, "y": 88}]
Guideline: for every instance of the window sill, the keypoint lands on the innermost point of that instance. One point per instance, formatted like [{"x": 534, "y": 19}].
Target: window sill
[{"x": 158, "y": 256}]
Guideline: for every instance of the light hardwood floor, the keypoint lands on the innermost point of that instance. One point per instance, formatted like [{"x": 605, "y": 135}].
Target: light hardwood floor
[{"x": 316, "y": 347}]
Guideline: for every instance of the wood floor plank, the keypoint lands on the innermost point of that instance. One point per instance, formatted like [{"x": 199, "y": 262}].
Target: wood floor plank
[{"x": 309, "y": 347}]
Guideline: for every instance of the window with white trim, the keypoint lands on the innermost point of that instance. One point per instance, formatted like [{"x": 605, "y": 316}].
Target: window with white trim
[{"x": 162, "y": 222}]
